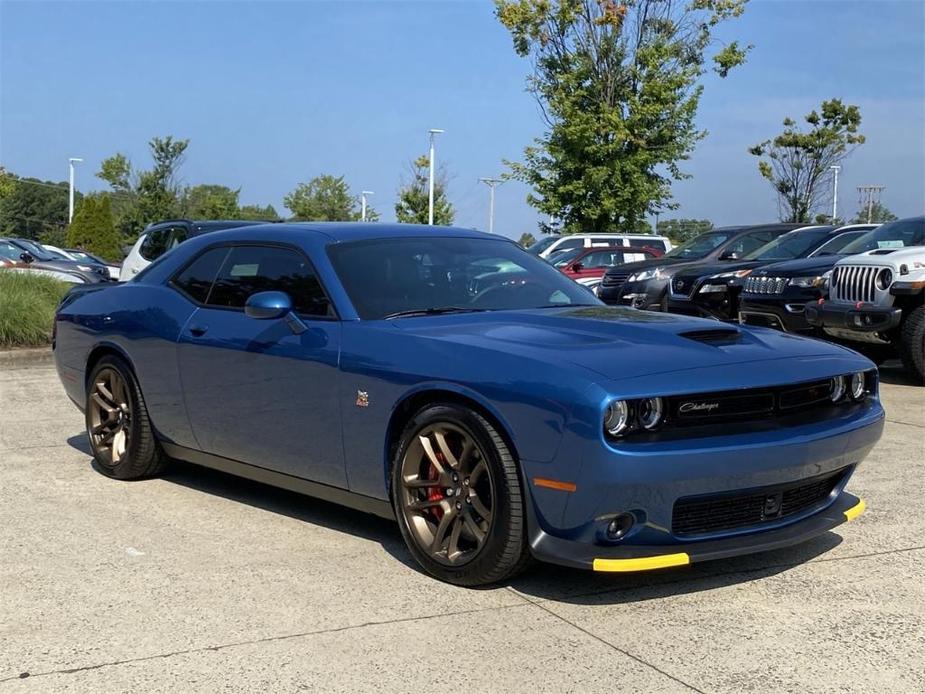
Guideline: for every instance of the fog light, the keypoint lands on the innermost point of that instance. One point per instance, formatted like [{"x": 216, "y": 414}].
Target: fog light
[
  {"x": 620, "y": 526},
  {"x": 856, "y": 386},
  {"x": 836, "y": 388}
]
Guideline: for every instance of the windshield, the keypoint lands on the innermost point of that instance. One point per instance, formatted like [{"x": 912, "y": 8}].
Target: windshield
[
  {"x": 905, "y": 232},
  {"x": 795, "y": 244},
  {"x": 542, "y": 245},
  {"x": 37, "y": 252},
  {"x": 384, "y": 277},
  {"x": 565, "y": 257},
  {"x": 835, "y": 246},
  {"x": 700, "y": 246},
  {"x": 10, "y": 252}
]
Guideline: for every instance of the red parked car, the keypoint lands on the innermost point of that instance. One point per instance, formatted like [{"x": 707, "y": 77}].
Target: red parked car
[{"x": 588, "y": 265}]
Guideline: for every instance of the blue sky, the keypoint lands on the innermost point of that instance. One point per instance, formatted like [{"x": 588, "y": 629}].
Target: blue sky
[{"x": 274, "y": 93}]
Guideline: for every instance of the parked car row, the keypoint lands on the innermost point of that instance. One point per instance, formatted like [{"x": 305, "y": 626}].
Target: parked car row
[
  {"x": 30, "y": 256},
  {"x": 861, "y": 284}
]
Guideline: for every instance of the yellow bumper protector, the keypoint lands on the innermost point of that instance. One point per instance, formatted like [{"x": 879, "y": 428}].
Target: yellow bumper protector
[
  {"x": 642, "y": 563},
  {"x": 855, "y": 510}
]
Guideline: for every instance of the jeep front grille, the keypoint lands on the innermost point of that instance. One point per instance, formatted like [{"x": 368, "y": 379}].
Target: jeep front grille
[
  {"x": 853, "y": 283},
  {"x": 765, "y": 285}
]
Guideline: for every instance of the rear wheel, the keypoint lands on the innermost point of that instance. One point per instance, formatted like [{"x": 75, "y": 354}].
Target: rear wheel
[
  {"x": 912, "y": 343},
  {"x": 457, "y": 497},
  {"x": 118, "y": 426}
]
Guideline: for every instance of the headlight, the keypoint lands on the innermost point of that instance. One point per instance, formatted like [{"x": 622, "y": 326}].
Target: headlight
[
  {"x": 733, "y": 274},
  {"x": 84, "y": 268},
  {"x": 836, "y": 388},
  {"x": 806, "y": 282},
  {"x": 884, "y": 279},
  {"x": 616, "y": 418},
  {"x": 643, "y": 275},
  {"x": 651, "y": 411},
  {"x": 856, "y": 387}
]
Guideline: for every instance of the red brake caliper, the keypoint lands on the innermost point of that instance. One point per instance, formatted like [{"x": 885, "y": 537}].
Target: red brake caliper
[{"x": 435, "y": 493}]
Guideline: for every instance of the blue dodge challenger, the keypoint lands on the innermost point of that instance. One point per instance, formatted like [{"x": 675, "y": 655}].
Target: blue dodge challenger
[{"x": 448, "y": 379}]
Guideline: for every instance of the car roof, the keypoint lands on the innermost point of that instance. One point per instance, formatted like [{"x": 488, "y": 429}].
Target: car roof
[{"x": 339, "y": 232}]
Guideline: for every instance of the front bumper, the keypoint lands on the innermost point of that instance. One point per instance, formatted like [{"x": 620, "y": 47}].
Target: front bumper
[
  {"x": 860, "y": 317},
  {"x": 647, "y": 294},
  {"x": 648, "y": 480},
  {"x": 777, "y": 311}
]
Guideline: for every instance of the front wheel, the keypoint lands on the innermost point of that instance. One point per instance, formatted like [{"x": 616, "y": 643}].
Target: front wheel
[
  {"x": 457, "y": 497},
  {"x": 912, "y": 343}
]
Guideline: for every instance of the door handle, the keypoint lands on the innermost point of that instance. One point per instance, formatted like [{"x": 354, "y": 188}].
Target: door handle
[{"x": 198, "y": 330}]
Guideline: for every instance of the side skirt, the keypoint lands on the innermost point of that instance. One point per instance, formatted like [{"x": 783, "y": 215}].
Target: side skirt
[{"x": 336, "y": 495}]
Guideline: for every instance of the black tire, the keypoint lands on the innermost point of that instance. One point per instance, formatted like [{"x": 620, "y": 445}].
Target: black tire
[
  {"x": 143, "y": 456},
  {"x": 912, "y": 343},
  {"x": 505, "y": 551}
]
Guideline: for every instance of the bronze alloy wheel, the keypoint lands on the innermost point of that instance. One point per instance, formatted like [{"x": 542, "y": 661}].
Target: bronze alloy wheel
[
  {"x": 110, "y": 417},
  {"x": 447, "y": 494}
]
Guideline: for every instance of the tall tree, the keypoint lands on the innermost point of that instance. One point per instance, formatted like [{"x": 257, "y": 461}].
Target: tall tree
[
  {"x": 681, "y": 230},
  {"x": 797, "y": 163},
  {"x": 147, "y": 195},
  {"x": 325, "y": 198},
  {"x": 877, "y": 213},
  {"x": 414, "y": 196},
  {"x": 527, "y": 239},
  {"x": 32, "y": 207},
  {"x": 619, "y": 86},
  {"x": 7, "y": 184},
  {"x": 210, "y": 201},
  {"x": 93, "y": 229}
]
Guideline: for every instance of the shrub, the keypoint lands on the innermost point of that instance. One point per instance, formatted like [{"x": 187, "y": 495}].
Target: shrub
[
  {"x": 27, "y": 308},
  {"x": 93, "y": 229}
]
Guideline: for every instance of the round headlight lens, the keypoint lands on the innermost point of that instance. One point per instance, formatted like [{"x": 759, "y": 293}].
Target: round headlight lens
[
  {"x": 856, "y": 386},
  {"x": 884, "y": 278},
  {"x": 651, "y": 411},
  {"x": 616, "y": 418},
  {"x": 837, "y": 388}
]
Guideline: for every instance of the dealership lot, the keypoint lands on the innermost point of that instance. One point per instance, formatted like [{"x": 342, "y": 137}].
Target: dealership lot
[{"x": 202, "y": 582}]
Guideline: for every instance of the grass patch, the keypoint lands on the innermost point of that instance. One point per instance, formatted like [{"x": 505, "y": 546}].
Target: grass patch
[{"x": 27, "y": 308}]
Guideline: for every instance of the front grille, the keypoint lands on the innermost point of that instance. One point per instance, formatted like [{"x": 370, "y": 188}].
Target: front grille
[
  {"x": 854, "y": 283},
  {"x": 700, "y": 515},
  {"x": 614, "y": 279},
  {"x": 764, "y": 404},
  {"x": 766, "y": 285}
]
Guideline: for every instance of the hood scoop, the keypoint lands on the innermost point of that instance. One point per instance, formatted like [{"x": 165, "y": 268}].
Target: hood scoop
[{"x": 716, "y": 337}]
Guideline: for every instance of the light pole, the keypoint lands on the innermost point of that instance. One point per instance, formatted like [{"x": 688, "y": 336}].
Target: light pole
[
  {"x": 491, "y": 183},
  {"x": 430, "y": 198},
  {"x": 835, "y": 170},
  {"x": 70, "y": 194},
  {"x": 363, "y": 195}
]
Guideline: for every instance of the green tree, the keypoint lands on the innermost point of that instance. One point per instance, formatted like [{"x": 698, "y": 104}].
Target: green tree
[
  {"x": 527, "y": 239},
  {"x": 414, "y": 196},
  {"x": 209, "y": 201},
  {"x": 93, "y": 229},
  {"x": 147, "y": 195},
  {"x": 680, "y": 230},
  {"x": 797, "y": 163},
  {"x": 7, "y": 184},
  {"x": 326, "y": 198},
  {"x": 32, "y": 207},
  {"x": 258, "y": 213},
  {"x": 619, "y": 86},
  {"x": 876, "y": 213}
]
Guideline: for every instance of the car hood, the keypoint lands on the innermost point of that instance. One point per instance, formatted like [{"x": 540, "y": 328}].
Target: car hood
[
  {"x": 716, "y": 268},
  {"x": 798, "y": 268},
  {"x": 619, "y": 342},
  {"x": 646, "y": 264}
]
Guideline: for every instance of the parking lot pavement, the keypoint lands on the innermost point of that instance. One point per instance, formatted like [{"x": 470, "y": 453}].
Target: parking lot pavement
[{"x": 199, "y": 582}]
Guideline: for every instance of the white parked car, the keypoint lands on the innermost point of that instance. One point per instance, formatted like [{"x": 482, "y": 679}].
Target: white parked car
[
  {"x": 548, "y": 245},
  {"x": 876, "y": 298}
]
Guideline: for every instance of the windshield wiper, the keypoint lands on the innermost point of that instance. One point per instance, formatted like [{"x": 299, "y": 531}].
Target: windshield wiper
[{"x": 433, "y": 311}]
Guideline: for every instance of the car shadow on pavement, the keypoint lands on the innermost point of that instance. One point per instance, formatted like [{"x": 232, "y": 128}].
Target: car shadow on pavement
[{"x": 541, "y": 581}]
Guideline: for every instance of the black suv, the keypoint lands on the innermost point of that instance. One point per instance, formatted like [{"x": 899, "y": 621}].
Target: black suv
[{"x": 645, "y": 284}]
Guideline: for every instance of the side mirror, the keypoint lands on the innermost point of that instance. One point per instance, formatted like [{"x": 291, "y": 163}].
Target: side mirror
[
  {"x": 268, "y": 305},
  {"x": 26, "y": 257},
  {"x": 577, "y": 267},
  {"x": 729, "y": 255}
]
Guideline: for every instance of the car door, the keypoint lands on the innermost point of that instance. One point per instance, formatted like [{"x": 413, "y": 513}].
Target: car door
[{"x": 255, "y": 390}]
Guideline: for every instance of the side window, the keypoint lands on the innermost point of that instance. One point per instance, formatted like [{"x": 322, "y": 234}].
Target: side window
[
  {"x": 251, "y": 269},
  {"x": 176, "y": 236},
  {"x": 654, "y": 243},
  {"x": 602, "y": 259},
  {"x": 568, "y": 244},
  {"x": 196, "y": 280},
  {"x": 155, "y": 244}
]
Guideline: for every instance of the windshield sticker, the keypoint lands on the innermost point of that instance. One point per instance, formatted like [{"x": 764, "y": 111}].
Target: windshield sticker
[{"x": 892, "y": 243}]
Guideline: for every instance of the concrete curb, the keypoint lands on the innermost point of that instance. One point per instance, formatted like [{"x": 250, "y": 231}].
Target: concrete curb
[{"x": 22, "y": 358}]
